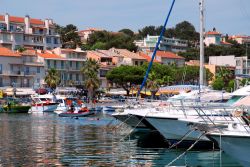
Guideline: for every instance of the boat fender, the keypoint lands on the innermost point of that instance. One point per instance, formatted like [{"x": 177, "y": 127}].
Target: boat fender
[{"x": 237, "y": 113}]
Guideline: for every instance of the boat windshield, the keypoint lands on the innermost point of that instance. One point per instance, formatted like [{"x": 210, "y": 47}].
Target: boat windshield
[{"x": 234, "y": 99}]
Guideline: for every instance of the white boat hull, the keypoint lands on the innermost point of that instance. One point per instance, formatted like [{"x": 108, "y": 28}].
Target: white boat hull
[
  {"x": 174, "y": 129},
  {"x": 235, "y": 146},
  {"x": 41, "y": 109}
]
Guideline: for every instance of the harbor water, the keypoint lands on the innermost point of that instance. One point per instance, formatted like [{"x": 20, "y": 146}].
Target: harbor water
[{"x": 49, "y": 140}]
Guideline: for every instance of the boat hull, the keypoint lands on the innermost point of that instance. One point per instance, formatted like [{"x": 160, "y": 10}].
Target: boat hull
[
  {"x": 131, "y": 120},
  {"x": 235, "y": 146},
  {"x": 84, "y": 114},
  {"x": 43, "y": 108},
  {"x": 174, "y": 130}
]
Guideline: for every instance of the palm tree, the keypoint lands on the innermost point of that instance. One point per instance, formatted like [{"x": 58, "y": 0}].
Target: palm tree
[
  {"x": 92, "y": 83},
  {"x": 153, "y": 83},
  {"x": 90, "y": 71},
  {"x": 52, "y": 78},
  {"x": 90, "y": 65}
]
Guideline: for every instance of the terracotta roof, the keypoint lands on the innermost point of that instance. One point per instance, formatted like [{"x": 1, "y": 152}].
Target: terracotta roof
[
  {"x": 147, "y": 57},
  {"x": 126, "y": 53},
  {"x": 29, "y": 52},
  {"x": 16, "y": 19},
  {"x": 8, "y": 52},
  {"x": 213, "y": 33},
  {"x": 47, "y": 55},
  {"x": 169, "y": 55},
  {"x": 91, "y": 29},
  {"x": 98, "y": 54}
]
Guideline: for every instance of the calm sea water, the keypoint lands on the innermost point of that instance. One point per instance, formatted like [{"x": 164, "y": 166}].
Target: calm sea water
[{"x": 49, "y": 140}]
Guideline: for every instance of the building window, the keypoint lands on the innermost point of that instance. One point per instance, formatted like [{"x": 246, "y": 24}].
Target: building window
[
  {"x": 70, "y": 76},
  {"x": 136, "y": 63},
  {"x": 77, "y": 77},
  {"x": 62, "y": 64},
  {"x": 27, "y": 70},
  {"x": 38, "y": 69},
  {"x": 77, "y": 65},
  {"x": 1, "y": 82},
  {"x": 38, "y": 80},
  {"x": 55, "y": 41},
  {"x": 238, "y": 63},
  {"x": 54, "y": 63},
  {"x": 48, "y": 63},
  {"x": 1, "y": 68},
  {"x": 70, "y": 64},
  {"x": 48, "y": 40}
]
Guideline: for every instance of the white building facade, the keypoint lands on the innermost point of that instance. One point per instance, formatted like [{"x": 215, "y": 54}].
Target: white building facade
[
  {"x": 28, "y": 32},
  {"x": 166, "y": 44}
]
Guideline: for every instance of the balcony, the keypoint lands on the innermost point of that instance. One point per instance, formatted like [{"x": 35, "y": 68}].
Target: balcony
[{"x": 30, "y": 73}]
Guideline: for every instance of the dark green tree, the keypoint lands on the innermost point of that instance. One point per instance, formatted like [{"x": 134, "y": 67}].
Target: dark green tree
[
  {"x": 91, "y": 82},
  {"x": 126, "y": 76},
  {"x": 128, "y": 32},
  {"x": 52, "y": 78},
  {"x": 69, "y": 36}
]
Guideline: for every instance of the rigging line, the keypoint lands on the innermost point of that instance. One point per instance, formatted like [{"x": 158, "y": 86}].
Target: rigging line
[
  {"x": 185, "y": 152},
  {"x": 155, "y": 50}
]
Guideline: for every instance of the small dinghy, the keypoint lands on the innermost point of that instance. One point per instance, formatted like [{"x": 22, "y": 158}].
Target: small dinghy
[{"x": 75, "y": 112}]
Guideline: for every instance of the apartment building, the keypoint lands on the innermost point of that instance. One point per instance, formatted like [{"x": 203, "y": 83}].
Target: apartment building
[
  {"x": 84, "y": 34},
  {"x": 127, "y": 57},
  {"x": 28, "y": 32},
  {"x": 166, "y": 44},
  {"x": 20, "y": 69},
  {"x": 68, "y": 62},
  {"x": 107, "y": 62},
  {"x": 167, "y": 58},
  {"x": 241, "y": 39},
  {"x": 241, "y": 64}
]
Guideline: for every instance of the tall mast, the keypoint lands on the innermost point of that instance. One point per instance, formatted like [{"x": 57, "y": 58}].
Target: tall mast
[{"x": 202, "y": 42}]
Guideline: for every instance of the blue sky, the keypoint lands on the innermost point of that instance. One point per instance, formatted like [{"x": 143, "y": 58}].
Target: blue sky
[{"x": 228, "y": 16}]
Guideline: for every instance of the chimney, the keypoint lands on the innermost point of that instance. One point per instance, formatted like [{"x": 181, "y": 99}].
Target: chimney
[
  {"x": 7, "y": 21},
  {"x": 47, "y": 25},
  {"x": 27, "y": 24}
]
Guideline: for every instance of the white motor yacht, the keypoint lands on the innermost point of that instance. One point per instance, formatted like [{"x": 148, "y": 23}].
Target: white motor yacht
[
  {"x": 43, "y": 103},
  {"x": 234, "y": 140}
]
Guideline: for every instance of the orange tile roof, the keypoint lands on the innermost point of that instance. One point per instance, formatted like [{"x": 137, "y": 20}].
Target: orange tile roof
[
  {"x": 47, "y": 55},
  {"x": 169, "y": 55},
  {"x": 16, "y": 19},
  {"x": 213, "y": 33},
  {"x": 29, "y": 52},
  {"x": 126, "y": 53},
  {"x": 147, "y": 57},
  {"x": 8, "y": 52}
]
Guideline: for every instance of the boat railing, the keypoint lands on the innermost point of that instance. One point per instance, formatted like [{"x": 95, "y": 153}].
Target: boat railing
[{"x": 232, "y": 115}]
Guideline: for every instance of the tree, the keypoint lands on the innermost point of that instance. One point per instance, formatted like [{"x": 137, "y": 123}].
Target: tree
[
  {"x": 107, "y": 40},
  {"x": 52, "y": 78},
  {"x": 126, "y": 76},
  {"x": 90, "y": 71},
  {"x": 153, "y": 83},
  {"x": 218, "y": 84},
  {"x": 69, "y": 36},
  {"x": 127, "y": 32}
]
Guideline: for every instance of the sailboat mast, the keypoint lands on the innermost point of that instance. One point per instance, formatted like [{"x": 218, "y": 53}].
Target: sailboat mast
[{"x": 202, "y": 29}]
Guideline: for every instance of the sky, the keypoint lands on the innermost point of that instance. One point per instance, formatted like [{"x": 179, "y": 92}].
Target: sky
[{"x": 227, "y": 16}]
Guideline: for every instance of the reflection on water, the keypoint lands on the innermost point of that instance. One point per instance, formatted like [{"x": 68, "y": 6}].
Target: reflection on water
[{"x": 38, "y": 140}]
